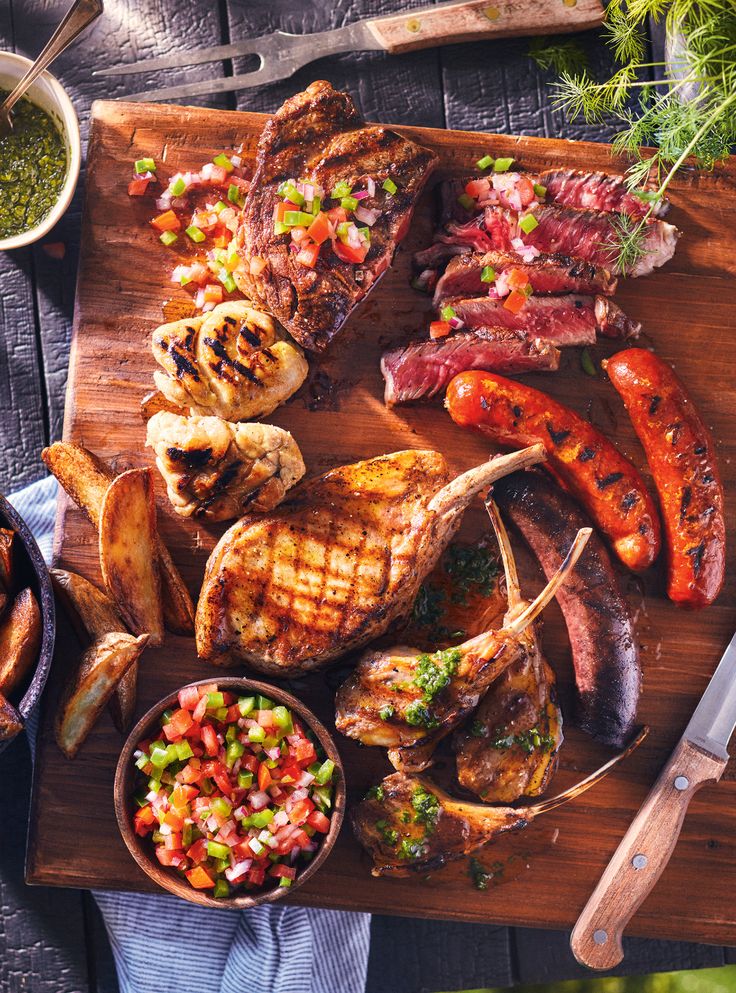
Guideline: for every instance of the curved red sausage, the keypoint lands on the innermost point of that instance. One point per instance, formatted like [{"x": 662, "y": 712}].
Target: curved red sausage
[
  {"x": 680, "y": 452},
  {"x": 588, "y": 465},
  {"x": 605, "y": 652}
]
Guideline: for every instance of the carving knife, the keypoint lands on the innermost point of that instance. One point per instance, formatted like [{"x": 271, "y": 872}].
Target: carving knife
[
  {"x": 699, "y": 758},
  {"x": 281, "y": 53}
]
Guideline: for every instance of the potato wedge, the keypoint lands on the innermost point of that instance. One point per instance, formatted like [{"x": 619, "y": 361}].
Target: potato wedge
[
  {"x": 154, "y": 402},
  {"x": 11, "y": 723},
  {"x": 20, "y": 640},
  {"x": 86, "y": 478},
  {"x": 7, "y": 556},
  {"x": 128, "y": 552},
  {"x": 91, "y": 612},
  {"x": 100, "y": 670}
]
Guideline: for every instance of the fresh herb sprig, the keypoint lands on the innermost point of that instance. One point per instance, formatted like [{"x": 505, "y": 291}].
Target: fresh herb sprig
[{"x": 690, "y": 113}]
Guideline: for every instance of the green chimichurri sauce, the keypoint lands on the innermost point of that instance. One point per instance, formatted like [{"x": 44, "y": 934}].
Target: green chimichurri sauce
[{"x": 32, "y": 168}]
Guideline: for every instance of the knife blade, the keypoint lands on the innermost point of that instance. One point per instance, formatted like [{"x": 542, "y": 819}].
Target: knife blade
[{"x": 700, "y": 757}]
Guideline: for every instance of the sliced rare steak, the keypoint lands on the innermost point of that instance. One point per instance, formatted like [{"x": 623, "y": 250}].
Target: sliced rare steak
[
  {"x": 565, "y": 320},
  {"x": 423, "y": 369},
  {"x": 548, "y": 274},
  {"x": 587, "y": 234},
  {"x": 318, "y": 140}
]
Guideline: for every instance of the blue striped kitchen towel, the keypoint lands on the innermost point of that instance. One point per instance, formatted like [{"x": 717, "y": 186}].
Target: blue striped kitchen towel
[{"x": 166, "y": 945}]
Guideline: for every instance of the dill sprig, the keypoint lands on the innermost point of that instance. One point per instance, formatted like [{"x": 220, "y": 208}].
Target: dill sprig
[
  {"x": 561, "y": 55},
  {"x": 689, "y": 114}
]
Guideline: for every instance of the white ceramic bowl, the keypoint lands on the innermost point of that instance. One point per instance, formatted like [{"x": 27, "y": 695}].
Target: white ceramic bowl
[{"x": 48, "y": 94}]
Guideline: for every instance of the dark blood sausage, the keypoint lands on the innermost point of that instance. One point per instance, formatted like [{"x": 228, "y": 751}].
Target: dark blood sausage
[
  {"x": 578, "y": 455},
  {"x": 604, "y": 648},
  {"x": 679, "y": 450}
]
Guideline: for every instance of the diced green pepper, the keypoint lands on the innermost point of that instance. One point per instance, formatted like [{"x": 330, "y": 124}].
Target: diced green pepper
[
  {"x": 264, "y": 703},
  {"x": 183, "y": 751},
  {"x": 280, "y": 228},
  {"x": 221, "y": 806},
  {"x": 224, "y": 162},
  {"x": 168, "y": 238},
  {"x": 487, "y": 274},
  {"x": 283, "y": 720},
  {"x": 246, "y": 704},
  {"x": 348, "y": 203},
  {"x": 502, "y": 165},
  {"x": 341, "y": 189},
  {"x": 292, "y": 194},
  {"x": 284, "y": 881},
  {"x": 195, "y": 234},
  {"x": 389, "y": 186},
  {"x": 261, "y": 818},
  {"x": 256, "y": 733},
  {"x": 245, "y": 780},
  {"x": 324, "y": 774},
  {"x": 145, "y": 165},
  {"x": 447, "y": 313},
  {"x": 215, "y": 700},
  {"x": 528, "y": 223},
  {"x": 541, "y": 191},
  {"x": 466, "y": 201},
  {"x": 178, "y": 187},
  {"x": 485, "y": 163},
  {"x": 234, "y": 195},
  {"x": 234, "y": 750},
  {"x": 221, "y": 889},
  {"x": 316, "y": 206}
]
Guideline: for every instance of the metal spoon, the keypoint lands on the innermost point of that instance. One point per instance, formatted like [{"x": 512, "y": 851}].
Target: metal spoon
[{"x": 80, "y": 14}]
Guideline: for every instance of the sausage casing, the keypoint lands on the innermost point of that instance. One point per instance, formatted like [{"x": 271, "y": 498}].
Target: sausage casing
[
  {"x": 588, "y": 465},
  {"x": 681, "y": 455},
  {"x": 605, "y": 652}
]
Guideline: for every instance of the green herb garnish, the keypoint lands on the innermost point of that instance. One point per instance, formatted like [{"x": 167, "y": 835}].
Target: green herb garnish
[{"x": 426, "y": 808}]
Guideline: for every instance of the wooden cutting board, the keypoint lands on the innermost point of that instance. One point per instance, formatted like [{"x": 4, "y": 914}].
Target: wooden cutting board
[{"x": 687, "y": 311}]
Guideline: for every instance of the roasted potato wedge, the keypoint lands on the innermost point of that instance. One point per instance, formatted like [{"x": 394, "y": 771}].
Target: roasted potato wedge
[
  {"x": 91, "y": 612},
  {"x": 128, "y": 552},
  {"x": 100, "y": 670},
  {"x": 86, "y": 478},
  {"x": 154, "y": 402},
  {"x": 20, "y": 640},
  {"x": 11, "y": 723},
  {"x": 7, "y": 555}
]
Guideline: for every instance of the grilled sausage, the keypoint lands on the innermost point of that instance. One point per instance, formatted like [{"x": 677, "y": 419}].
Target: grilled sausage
[
  {"x": 604, "y": 649},
  {"x": 681, "y": 456},
  {"x": 587, "y": 464}
]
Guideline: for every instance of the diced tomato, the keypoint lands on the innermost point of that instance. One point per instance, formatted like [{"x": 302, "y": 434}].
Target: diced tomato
[
  {"x": 265, "y": 718},
  {"x": 257, "y": 265},
  {"x": 167, "y": 856},
  {"x": 191, "y": 773},
  {"x": 222, "y": 781},
  {"x": 319, "y": 230},
  {"x": 515, "y": 301},
  {"x": 168, "y": 221},
  {"x": 209, "y": 740},
  {"x": 137, "y": 187},
  {"x": 477, "y": 188},
  {"x": 213, "y": 293},
  {"x": 349, "y": 254},
  {"x": 337, "y": 215},
  {"x": 233, "y": 714},
  {"x": 248, "y": 762},
  {"x": 143, "y": 820},
  {"x": 174, "y": 820},
  {"x": 182, "y": 795},
  {"x": 517, "y": 279},
  {"x": 308, "y": 256},
  {"x": 280, "y": 870},
  {"x": 198, "y": 851},
  {"x": 199, "y": 878},
  {"x": 200, "y": 710},
  {"x": 301, "y": 811},
  {"x": 218, "y": 176},
  {"x": 265, "y": 778},
  {"x": 300, "y": 839},
  {"x": 281, "y": 208},
  {"x": 525, "y": 189},
  {"x": 304, "y": 752},
  {"x": 256, "y": 877},
  {"x": 319, "y": 821},
  {"x": 439, "y": 329},
  {"x": 173, "y": 841},
  {"x": 289, "y": 774},
  {"x": 188, "y": 698}
]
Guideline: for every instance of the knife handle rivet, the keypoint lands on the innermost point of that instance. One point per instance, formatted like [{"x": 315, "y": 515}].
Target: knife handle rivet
[
  {"x": 414, "y": 25},
  {"x": 682, "y": 783},
  {"x": 492, "y": 13},
  {"x": 570, "y": 3},
  {"x": 639, "y": 861},
  {"x": 600, "y": 937}
]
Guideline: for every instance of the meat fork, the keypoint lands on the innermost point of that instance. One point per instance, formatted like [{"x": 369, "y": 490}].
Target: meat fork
[{"x": 281, "y": 53}]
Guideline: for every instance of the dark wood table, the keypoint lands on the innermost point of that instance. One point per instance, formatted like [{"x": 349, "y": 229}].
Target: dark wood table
[{"x": 54, "y": 940}]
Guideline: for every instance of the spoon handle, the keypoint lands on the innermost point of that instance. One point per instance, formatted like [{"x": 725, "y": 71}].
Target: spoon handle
[{"x": 80, "y": 14}]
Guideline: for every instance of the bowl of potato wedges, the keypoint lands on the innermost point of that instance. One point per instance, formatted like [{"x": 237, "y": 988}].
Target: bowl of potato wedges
[{"x": 27, "y": 623}]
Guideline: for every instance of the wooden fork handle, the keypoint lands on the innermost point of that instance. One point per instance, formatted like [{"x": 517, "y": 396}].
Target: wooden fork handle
[
  {"x": 641, "y": 857},
  {"x": 478, "y": 20}
]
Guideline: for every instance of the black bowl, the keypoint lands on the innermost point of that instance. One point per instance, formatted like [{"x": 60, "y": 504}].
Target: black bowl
[{"x": 32, "y": 571}]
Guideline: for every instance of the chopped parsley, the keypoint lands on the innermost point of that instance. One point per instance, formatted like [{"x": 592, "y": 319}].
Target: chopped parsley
[
  {"x": 434, "y": 672},
  {"x": 478, "y": 729},
  {"x": 389, "y": 835},
  {"x": 481, "y": 876},
  {"x": 375, "y": 793},
  {"x": 470, "y": 566},
  {"x": 411, "y": 849},
  {"x": 426, "y": 808},
  {"x": 385, "y": 713},
  {"x": 419, "y": 715},
  {"x": 428, "y": 605},
  {"x": 528, "y": 741}
]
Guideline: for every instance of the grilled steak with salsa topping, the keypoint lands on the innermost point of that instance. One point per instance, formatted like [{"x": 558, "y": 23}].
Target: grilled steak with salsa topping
[
  {"x": 469, "y": 274},
  {"x": 422, "y": 369},
  {"x": 330, "y": 200}
]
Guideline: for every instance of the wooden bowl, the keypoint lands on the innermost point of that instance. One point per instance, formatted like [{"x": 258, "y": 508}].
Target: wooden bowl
[
  {"x": 141, "y": 848},
  {"x": 32, "y": 571}
]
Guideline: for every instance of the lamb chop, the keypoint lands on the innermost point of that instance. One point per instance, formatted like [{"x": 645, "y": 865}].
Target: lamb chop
[
  {"x": 216, "y": 469},
  {"x": 333, "y": 565},
  {"x": 317, "y": 150},
  {"x": 510, "y": 745},
  {"x": 408, "y": 825},
  {"x": 229, "y": 362},
  {"x": 422, "y": 369},
  {"x": 407, "y": 700}
]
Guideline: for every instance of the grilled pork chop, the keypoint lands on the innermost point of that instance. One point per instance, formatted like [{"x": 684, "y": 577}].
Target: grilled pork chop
[
  {"x": 422, "y": 369},
  {"x": 319, "y": 137},
  {"x": 229, "y": 363},
  {"x": 547, "y": 274},
  {"x": 332, "y": 566},
  {"x": 217, "y": 470}
]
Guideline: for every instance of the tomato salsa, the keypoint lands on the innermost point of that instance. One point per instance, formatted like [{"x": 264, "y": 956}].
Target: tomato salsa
[{"x": 235, "y": 793}]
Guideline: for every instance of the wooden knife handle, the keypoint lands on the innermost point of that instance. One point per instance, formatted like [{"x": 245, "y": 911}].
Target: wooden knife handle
[
  {"x": 477, "y": 20},
  {"x": 640, "y": 859}
]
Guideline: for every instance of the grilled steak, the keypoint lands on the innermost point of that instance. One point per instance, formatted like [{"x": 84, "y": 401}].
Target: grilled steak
[
  {"x": 423, "y": 369},
  {"x": 566, "y": 320},
  {"x": 583, "y": 233},
  {"x": 319, "y": 138},
  {"x": 547, "y": 274}
]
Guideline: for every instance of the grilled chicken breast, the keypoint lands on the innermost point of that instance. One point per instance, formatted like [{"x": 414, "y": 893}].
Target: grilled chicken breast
[
  {"x": 217, "y": 470},
  {"x": 333, "y": 565},
  {"x": 319, "y": 137},
  {"x": 230, "y": 363}
]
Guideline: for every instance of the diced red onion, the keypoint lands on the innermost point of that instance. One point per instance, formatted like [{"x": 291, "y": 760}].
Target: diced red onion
[
  {"x": 280, "y": 819},
  {"x": 515, "y": 200},
  {"x": 360, "y": 194},
  {"x": 236, "y": 161},
  {"x": 258, "y": 800},
  {"x": 206, "y": 171},
  {"x": 371, "y": 184},
  {"x": 274, "y": 753},
  {"x": 367, "y": 216},
  {"x": 299, "y": 794},
  {"x": 238, "y": 869},
  {"x": 163, "y": 202},
  {"x": 305, "y": 779},
  {"x": 456, "y": 323},
  {"x": 518, "y": 244}
]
